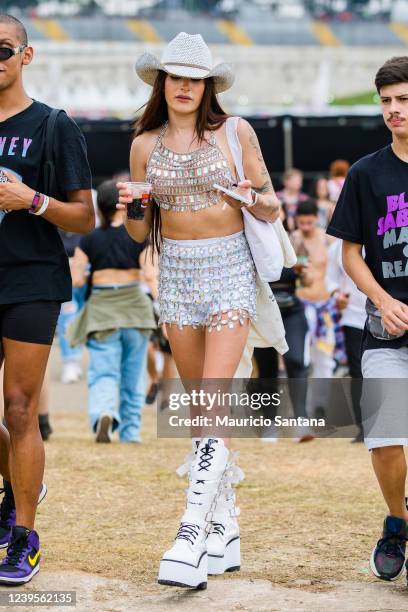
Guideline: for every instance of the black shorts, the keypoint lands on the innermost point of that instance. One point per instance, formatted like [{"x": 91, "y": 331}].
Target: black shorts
[{"x": 33, "y": 322}]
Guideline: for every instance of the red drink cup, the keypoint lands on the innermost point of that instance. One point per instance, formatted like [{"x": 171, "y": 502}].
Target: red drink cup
[{"x": 141, "y": 200}]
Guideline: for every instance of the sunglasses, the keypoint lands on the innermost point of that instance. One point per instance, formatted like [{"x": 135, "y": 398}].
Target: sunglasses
[{"x": 6, "y": 52}]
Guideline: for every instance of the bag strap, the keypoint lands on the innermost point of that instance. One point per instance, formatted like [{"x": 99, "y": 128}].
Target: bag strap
[
  {"x": 49, "y": 134},
  {"x": 231, "y": 126},
  {"x": 49, "y": 163}
]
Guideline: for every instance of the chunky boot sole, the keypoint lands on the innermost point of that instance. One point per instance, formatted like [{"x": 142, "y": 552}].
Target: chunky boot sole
[
  {"x": 230, "y": 561},
  {"x": 182, "y": 574}
]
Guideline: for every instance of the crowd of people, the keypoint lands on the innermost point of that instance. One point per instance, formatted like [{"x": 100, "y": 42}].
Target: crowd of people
[
  {"x": 322, "y": 310},
  {"x": 173, "y": 267}
]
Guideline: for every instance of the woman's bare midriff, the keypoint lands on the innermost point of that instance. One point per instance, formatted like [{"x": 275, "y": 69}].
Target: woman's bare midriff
[
  {"x": 212, "y": 222},
  {"x": 113, "y": 276}
]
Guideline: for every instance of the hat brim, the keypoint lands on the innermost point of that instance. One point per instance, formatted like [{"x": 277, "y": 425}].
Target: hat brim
[{"x": 147, "y": 67}]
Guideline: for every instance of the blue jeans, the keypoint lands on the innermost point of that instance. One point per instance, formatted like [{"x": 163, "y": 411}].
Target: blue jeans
[
  {"x": 69, "y": 311},
  {"x": 117, "y": 380}
]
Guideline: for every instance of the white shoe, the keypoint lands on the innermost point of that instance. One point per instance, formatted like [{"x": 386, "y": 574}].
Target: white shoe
[
  {"x": 224, "y": 547},
  {"x": 71, "y": 372},
  {"x": 185, "y": 564},
  {"x": 223, "y": 541}
]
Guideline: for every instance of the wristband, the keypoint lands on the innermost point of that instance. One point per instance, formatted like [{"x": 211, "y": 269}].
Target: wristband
[
  {"x": 35, "y": 202},
  {"x": 43, "y": 207}
]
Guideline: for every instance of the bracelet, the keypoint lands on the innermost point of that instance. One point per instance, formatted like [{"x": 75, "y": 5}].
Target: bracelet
[
  {"x": 35, "y": 202},
  {"x": 43, "y": 207},
  {"x": 254, "y": 198}
]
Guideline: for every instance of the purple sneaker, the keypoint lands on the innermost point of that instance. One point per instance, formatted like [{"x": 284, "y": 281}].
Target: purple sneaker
[
  {"x": 7, "y": 514},
  {"x": 388, "y": 557},
  {"x": 8, "y": 511},
  {"x": 22, "y": 561}
]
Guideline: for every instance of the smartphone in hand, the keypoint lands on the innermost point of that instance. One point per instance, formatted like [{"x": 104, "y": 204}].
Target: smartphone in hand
[{"x": 232, "y": 194}]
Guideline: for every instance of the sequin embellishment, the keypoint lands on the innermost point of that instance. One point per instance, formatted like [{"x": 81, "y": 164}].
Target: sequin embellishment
[
  {"x": 208, "y": 283},
  {"x": 184, "y": 182}
]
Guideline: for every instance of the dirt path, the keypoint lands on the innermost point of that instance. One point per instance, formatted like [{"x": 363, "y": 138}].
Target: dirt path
[{"x": 101, "y": 594}]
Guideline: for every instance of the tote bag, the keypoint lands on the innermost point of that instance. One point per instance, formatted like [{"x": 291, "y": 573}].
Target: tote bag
[{"x": 270, "y": 247}]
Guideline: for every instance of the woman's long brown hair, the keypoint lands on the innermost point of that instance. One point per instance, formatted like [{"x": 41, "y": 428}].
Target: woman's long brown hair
[{"x": 210, "y": 117}]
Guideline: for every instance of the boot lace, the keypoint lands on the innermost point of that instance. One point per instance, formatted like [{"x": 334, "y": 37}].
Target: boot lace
[
  {"x": 218, "y": 528},
  {"x": 16, "y": 550},
  {"x": 188, "y": 531},
  {"x": 6, "y": 507},
  {"x": 206, "y": 455}
]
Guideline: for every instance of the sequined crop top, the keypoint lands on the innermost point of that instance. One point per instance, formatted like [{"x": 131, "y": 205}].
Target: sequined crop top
[{"x": 184, "y": 181}]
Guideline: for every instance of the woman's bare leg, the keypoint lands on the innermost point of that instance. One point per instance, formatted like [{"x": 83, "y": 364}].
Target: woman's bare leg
[
  {"x": 223, "y": 352},
  {"x": 188, "y": 349}
]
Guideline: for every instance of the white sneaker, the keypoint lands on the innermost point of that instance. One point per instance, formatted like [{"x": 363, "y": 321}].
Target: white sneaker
[
  {"x": 185, "y": 564},
  {"x": 71, "y": 372},
  {"x": 223, "y": 541}
]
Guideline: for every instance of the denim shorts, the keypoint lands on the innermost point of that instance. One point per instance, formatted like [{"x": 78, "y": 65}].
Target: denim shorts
[{"x": 207, "y": 283}]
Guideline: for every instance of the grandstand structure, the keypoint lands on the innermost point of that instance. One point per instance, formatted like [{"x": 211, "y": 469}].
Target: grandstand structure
[{"x": 86, "y": 64}]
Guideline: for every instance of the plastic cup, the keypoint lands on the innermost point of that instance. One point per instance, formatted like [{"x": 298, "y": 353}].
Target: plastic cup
[{"x": 141, "y": 200}]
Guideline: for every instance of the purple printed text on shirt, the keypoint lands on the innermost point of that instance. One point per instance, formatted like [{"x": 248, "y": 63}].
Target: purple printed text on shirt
[
  {"x": 397, "y": 214},
  {"x": 14, "y": 145}
]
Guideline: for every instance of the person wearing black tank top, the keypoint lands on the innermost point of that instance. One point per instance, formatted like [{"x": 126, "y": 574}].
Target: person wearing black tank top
[{"x": 116, "y": 322}]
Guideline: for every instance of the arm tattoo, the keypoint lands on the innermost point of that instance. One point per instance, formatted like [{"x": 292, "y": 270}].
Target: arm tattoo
[
  {"x": 267, "y": 186},
  {"x": 253, "y": 139}
]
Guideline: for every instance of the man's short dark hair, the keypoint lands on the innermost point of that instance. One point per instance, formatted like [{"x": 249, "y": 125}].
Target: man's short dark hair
[
  {"x": 394, "y": 71},
  {"x": 308, "y": 207},
  {"x": 21, "y": 31}
]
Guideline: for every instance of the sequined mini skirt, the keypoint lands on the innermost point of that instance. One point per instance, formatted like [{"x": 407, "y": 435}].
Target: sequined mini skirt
[{"x": 210, "y": 282}]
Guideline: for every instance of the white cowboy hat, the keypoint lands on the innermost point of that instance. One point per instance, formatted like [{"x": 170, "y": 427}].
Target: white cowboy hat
[{"x": 187, "y": 55}]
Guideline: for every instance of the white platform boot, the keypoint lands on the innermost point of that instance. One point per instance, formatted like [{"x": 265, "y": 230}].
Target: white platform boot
[
  {"x": 223, "y": 541},
  {"x": 185, "y": 564}
]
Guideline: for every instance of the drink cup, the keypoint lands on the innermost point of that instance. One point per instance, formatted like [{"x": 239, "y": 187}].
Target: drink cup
[{"x": 141, "y": 200}]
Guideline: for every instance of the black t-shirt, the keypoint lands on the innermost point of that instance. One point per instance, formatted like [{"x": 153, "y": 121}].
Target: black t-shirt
[
  {"x": 33, "y": 261},
  {"x": 373, "y": 211},
  {"x": 111, "y": 248}
]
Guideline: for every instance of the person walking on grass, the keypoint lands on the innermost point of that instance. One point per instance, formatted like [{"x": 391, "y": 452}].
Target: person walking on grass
[
  {"x": 34, "y": 281},
  {"x": 115, "y": 324},
  {"x": 372, "y": 212},
  {"x": 207, "y": 291}
]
